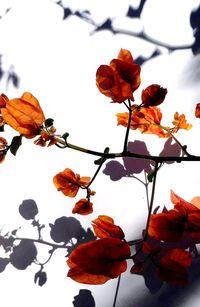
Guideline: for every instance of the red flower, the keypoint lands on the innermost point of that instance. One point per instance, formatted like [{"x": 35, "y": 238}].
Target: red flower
[
  {"x": 69, "y": 183},
  {"x": 153, "y": 95},
  {"x": 190, "y": 212},
  {"x": 44, "y": 138},
  {"x": 98, "y": 261},
  {"x": 167, "y": 226},
  {"x": 83, "y": 207},
  {"x": 119, "y": 80},
  {"x": 3, "y": 100},
  {"x": 184, "y": 218},
  {"x": 172, "y": 267},
  {"x": 197, "y": 110},
  {"x": 3, "y": 151},
  {"x": 104, "y": 227}
]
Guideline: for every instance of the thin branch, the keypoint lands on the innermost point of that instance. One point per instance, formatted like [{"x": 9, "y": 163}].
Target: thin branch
[
  {"x": 117, "y": 290},
  {"x": 147, "y": 191},
  {"x": 96, "y": 173},
  {"x": 135, "y": 177},
  {"x": 128, "y": 154},
  {"x": 152, "y": 197},
  {"x": 128, "y": 127}
]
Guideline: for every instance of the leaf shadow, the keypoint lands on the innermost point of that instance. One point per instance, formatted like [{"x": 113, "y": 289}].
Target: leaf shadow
[
  {"x": 84, "y": 299},
  {"x": 65, "y": 232},
  {"x": 133, "y": 166}
]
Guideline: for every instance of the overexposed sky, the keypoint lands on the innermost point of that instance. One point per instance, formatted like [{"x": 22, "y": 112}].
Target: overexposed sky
[{"x": 56, "y": 60}]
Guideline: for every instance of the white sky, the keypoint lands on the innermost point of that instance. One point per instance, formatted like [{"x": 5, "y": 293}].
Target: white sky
[{"x": 57, "y": 61}]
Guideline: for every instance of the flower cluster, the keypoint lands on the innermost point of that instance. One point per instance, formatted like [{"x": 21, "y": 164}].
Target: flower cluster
[
  {"x": 170, "y": 238},
  {"x": 119, "y": 81},
  {"x": 98, "y": 261},
  {"x": 175, "y": 224},
  {"x": 69, "y": 183}
]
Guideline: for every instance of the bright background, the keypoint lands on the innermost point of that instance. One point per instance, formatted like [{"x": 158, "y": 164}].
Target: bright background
[{"x": 56, "y": 61}]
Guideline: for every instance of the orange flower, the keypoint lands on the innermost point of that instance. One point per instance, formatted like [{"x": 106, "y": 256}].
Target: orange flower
[
  {"x": 119, "y": 80},
  {"x": 98, "y": 261},
  {"x": 153, "y": 95},
  {"x": 197, "y": 110},
  {"x": 83, "y": 206},
  {"x": 147, "y": 120},
  {"x": 104, "y": 227},
  {"x": 24, "y": 115},
  {"x": 172, "y": 267},
  {"x": 180, "y": 122},
  {"x": 69, "y": 183}
]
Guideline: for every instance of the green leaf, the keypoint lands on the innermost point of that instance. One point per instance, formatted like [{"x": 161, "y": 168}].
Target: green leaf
[
  {"x": 150, "y": 176},
  {"x": 15, "y": 144},
  {"x": 48, "y": 122},
  {"x": 65, "y": 136},
  {"x": 102, "y": 159},
  {"x": 98, "y": 161}
]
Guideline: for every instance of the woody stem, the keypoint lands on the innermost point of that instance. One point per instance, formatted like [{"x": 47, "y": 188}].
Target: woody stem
[
  {"x": 96, "y": 173},
  {"x": 128, "y": 126},
  {"x": 152, "y": 198},
  {"x": 117, "y": 290},
  {"x": 112, "y": 155}
]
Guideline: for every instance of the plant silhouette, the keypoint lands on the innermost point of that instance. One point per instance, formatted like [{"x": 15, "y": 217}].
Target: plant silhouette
[
  {"x": 133, "y": 166},
  {"x": 22, "y": 252},
  {"x": 84, "y": 299}
]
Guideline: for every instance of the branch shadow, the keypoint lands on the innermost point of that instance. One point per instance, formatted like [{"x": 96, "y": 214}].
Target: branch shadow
[
  {"x": 65, "y": 232},
  {"x": 134, "y": 166}
]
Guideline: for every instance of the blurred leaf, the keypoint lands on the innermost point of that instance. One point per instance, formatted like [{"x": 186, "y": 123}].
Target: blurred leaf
[
  {"x": 66, "y": 12},
  {"x": 84, "y": 14},
  {"x": 195, "y": 24},
  {"x": 136, "y": 13},
  {"x": 14, "y": 79},
  {"x": 195, "y": 18},
  {"x": 141, "y": 60},
  {"x": 106, "y": 25}
]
